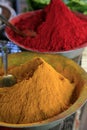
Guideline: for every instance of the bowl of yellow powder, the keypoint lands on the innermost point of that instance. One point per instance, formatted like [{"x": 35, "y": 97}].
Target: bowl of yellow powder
[{"x": 48, "y": 90}]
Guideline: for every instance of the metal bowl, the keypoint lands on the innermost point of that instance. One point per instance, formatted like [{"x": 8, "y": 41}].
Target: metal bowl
[
  {"x": 8, "y": 12},
  {"x": 69, "y": 69},
  {"x": 75, "y": 52}
]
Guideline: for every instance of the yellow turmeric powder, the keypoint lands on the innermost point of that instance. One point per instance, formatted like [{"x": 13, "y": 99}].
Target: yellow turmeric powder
[{"x": 40, "y": 94}]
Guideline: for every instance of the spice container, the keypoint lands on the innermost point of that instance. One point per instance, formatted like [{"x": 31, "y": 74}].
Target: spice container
[
  {"x": 64, "y": 66},
  {"x": 8, "y": 12},
  {"x": 75, "y": 54},
  {"x": 60, "y": 42}
]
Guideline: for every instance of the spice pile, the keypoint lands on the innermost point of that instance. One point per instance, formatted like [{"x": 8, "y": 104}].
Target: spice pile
[
  {"x": 40, "y": 93},
  {"x": 57, "y": 28}
]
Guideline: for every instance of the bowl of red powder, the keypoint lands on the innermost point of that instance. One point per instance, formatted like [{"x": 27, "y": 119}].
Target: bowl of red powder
[{"x": 65, "y": 34}]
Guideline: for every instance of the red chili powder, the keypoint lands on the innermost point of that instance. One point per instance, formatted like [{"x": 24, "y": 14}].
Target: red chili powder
[{"x": 57, "y": 28}]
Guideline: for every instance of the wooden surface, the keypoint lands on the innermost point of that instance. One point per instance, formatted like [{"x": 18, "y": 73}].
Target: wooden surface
[
  {"x": 84, "y": 59},
  {"x": 83, "y": 123}
]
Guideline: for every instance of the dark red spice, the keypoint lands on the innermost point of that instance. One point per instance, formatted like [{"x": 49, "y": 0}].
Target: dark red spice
[
  {"x": 5, "y": 128},
  {"x": 58, "y": 29}
]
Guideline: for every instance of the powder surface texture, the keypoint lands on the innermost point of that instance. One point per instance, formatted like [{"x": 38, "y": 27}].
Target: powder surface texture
[
  {"x": 57, "y": 28},
  {"x": 42, "y": 93}
]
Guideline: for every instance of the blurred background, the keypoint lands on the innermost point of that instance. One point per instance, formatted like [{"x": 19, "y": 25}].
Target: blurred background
[{"x": 26, "y": 5}]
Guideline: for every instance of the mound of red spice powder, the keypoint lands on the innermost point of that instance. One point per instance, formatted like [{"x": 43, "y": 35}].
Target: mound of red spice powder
[{"x": 57, "y": 28}]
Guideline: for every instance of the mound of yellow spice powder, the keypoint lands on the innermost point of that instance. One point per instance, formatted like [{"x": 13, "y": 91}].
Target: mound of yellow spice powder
[{"x": 40, "y": 93}]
